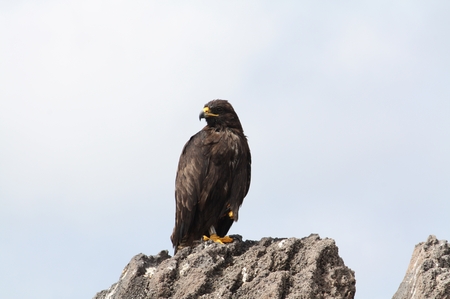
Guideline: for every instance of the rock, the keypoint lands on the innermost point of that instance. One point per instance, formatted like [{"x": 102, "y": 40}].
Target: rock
[
  {"x": 428, "y": 274},
  {"x": 269, "y": 268}
]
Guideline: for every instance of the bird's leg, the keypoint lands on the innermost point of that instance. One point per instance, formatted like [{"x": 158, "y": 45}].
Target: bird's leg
[
  {"x": 214, "y": 237},
  {"x": 212, "y": 230}
]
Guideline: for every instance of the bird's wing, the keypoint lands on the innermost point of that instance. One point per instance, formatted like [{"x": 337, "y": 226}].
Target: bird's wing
[
  {"x": 241, "y": 179},
  {"x": 191, "y": 169}
]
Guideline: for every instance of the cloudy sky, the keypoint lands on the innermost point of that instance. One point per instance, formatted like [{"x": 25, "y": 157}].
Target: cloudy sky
[{"x": 346, "y": 105}]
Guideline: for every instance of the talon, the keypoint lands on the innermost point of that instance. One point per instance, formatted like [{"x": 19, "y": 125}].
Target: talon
[
  {"x": 231, "y": 214},
  {"x": 226, "y": 239},
  {"x": 217, "y": 239}
]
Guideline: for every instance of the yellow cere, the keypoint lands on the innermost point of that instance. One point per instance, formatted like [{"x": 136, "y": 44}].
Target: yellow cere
[{"x": 207, "y": 112}]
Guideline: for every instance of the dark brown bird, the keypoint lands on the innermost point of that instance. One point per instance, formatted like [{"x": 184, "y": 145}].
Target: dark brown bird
[{"x": 213, "y": 178}]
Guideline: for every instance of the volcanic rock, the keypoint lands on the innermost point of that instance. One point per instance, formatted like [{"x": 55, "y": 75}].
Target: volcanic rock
[
  {"x": 428, "y": 274},
  {"x": 269, "y": 268}
]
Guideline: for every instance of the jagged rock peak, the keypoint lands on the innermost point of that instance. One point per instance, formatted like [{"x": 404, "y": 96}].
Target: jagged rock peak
[
  {"x": 428, "y": 274},
  {"x": 269, "y": 268}
]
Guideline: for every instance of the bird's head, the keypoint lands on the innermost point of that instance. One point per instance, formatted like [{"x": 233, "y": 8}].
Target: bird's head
[{"x": 220, "y": 113}]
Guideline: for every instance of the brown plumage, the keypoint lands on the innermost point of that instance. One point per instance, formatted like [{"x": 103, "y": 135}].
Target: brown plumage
[{"x": 213, "y": 177}]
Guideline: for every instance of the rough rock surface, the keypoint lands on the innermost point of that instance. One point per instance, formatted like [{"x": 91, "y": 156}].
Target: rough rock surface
[
  {"x": 269, "y": 268},
  {"x": 428, "y": 274}
]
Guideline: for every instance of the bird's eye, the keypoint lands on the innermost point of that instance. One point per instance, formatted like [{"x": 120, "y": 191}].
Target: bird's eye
[{"x": 219, "y": 109}]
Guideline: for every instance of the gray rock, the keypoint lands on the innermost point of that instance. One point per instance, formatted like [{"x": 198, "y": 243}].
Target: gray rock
[
  {"x": 428, "y": 274},
  {"x": 269, "y": 268}
]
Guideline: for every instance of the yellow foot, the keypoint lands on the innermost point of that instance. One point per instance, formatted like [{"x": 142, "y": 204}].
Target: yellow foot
[{"x": 218, "y": 239}]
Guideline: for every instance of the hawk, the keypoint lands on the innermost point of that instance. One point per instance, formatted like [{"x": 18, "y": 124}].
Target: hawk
[{"x": 213, "y": 177}]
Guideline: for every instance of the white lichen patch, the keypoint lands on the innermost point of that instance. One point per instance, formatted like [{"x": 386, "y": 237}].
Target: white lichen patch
[
  {"x": 124, "y": 273},
  {"x": 281, "y": 244},
  {"x": 244, "y": 274},
  {"x": 150, "y": 271},
  {"x": 184, "y": 268},
  {"x": 112, "y": 290}
]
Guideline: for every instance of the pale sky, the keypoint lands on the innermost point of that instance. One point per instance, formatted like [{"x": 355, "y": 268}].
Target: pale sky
[{"x": 346, "y": 105}]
